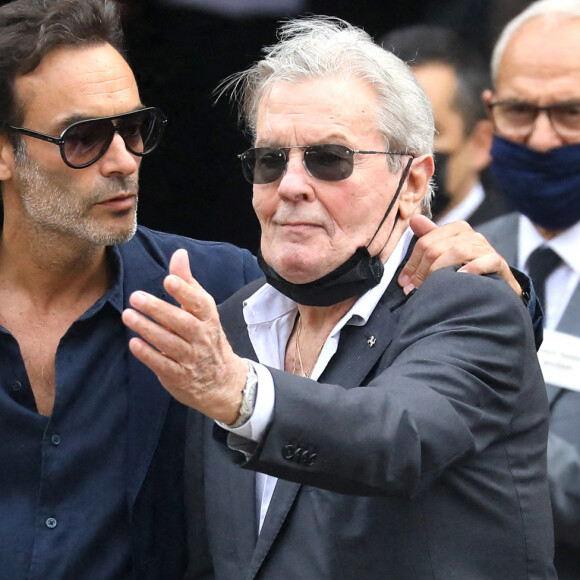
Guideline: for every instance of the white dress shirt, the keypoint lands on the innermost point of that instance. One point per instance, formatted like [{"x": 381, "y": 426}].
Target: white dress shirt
[
  {"x": 561, "y": 283},
  {"x": 270, "y": 318}
]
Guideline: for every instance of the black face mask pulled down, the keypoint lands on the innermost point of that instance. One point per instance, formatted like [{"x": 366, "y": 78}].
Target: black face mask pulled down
[{"x": 359, "y": 273}]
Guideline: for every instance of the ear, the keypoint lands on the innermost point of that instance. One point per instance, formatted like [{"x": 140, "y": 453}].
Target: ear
[
  {"x": 416, "y": 186},
  {"x": 487, "y": 98},
  {"x": 479, "y": 145},
  {"x": 6, "y": 159}
]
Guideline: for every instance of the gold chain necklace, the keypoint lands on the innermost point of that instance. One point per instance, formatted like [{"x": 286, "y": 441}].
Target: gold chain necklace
[{"x": 298, "y": 353}]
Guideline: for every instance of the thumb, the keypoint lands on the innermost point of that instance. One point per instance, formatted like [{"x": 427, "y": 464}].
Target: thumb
[
  {"x": 421, "y": 225},
  {"x": 179, "y": 265}
]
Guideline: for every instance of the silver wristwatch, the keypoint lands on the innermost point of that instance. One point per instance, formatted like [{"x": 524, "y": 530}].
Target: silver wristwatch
[{"x": 248, "y": 397}]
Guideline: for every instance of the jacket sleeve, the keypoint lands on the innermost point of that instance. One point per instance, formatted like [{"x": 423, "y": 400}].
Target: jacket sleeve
[
  {"x": 446, "y": 390},
  {"x": 532, "y": 303}
]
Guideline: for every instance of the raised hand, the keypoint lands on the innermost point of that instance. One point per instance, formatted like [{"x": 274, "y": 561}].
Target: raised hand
[
  {"x": 185, "y": 346},
  {"x": 455, "y": 243}
]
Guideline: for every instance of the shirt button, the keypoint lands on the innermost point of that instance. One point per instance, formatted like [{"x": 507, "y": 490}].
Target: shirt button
[
  {"x": 55, "y": 439},
  {"x": 17, "y": 386},
  {"x": 51, "y": 523}
]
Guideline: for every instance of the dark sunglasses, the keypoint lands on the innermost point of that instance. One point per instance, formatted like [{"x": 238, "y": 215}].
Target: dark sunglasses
[
  {"x": 326, "y": 162},
  {"x": 85, "y": 142}
]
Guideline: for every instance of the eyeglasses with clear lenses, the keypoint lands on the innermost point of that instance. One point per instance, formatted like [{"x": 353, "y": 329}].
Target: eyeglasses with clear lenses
[
  {"x": 327, "y": 162},
  {"x": 515, "y": 119},
  {"x": 85, "y": 142}
]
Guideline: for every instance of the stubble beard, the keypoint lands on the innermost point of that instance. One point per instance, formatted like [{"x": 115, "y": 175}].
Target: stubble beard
[{"x": 53, "y": 207}]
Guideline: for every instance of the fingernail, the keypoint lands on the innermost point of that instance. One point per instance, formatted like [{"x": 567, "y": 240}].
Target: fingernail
[
  {"x": 403, "y": 280},
  {"x": 129, "y": 316},
  {"x": 408, "y": 288},
  {"x": 138, "y": 299},
  {"x": 172, "y": 283}
]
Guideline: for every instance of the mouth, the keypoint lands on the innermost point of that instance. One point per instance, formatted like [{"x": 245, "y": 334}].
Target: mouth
[
  {"x": 121, "y": 202},
  {"x": 297, "y": 224},
  {"x": 299, "y": 227}
]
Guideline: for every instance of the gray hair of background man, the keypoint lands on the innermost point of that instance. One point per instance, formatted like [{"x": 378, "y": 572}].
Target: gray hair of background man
[
  {"x": 31, "y": 29},
  {"x": 326, "y": 47},
  {"x": 550, "y": 8},
  {"x": 423, "y": 44}
]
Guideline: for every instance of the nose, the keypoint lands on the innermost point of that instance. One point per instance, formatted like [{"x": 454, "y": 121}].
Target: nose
[
  {"x": 118, "y": 159},
  {"x": 296, "y": 183},
  {"x": 543, "y": 136}
]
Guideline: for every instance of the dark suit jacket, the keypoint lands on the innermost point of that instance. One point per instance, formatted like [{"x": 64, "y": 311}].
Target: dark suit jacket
[
  {"x": 417, "y": 455},
  {"x": 154, "y": 476},
  {"x": 564, "y": 440}
]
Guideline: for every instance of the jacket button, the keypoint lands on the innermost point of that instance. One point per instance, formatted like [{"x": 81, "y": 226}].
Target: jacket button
[
  {"x": 51, "y": 523},
  {"x": 288, "y": 452},
  {"x": 307, "y": 458}
]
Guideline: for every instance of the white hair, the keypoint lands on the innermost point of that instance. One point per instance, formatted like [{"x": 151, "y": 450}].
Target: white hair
[
  {"x": 550, "y": 9},
  {"x": 325, "y": 47}
]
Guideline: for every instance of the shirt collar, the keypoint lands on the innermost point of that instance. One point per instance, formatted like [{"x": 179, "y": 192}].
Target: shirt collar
[
  {"x": 114, "y": 294},
  {"x": 564, "y": 244}
]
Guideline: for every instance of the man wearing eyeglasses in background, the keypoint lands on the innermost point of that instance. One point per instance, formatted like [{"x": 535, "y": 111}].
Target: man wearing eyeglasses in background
[
  {"x": 394, "y": 436},
  {"x": 535, "y": 109}
]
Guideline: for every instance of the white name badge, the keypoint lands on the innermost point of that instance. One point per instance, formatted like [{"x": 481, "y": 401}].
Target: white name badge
[{"x": 559, "y": 358}]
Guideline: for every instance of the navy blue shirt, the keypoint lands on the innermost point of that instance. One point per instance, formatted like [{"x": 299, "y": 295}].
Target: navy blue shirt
[{"x": 62, "y": 478}]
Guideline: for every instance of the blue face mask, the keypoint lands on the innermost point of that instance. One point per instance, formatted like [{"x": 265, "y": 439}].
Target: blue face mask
[{"x": 545, "y": 187}]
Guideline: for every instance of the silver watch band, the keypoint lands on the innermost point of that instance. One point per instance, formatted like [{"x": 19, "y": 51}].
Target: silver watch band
[{"x": 248, "y": 397}]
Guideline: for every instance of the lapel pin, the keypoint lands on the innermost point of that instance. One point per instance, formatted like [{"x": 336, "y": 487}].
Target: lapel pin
[{"x": 371, "y": 341}]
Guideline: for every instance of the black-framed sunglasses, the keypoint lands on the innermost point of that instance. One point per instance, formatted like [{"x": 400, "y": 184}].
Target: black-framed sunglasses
[
  {"x": 327, "y": 162},
  {"x": 85, "y": 142}
]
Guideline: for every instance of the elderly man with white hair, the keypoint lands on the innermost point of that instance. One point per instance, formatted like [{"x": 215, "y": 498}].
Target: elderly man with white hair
[{"x": 394, "y": 436}]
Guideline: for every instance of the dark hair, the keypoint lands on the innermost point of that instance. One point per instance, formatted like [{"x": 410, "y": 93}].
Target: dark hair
[
  {"x": 30, "y": 29},
  {"x": 424, "y": 44}
]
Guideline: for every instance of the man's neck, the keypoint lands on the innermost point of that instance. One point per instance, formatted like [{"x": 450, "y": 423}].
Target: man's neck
[{"x": 52, "y": 270}]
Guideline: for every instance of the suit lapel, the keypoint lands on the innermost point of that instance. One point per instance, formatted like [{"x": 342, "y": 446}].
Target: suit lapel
[
  {"x": 242, "y": 493},
  {"x": 234, "y": 490},
  {"x": 282, "y": 499},
  {"x": 361, "y": 347},
  {"x": 502, "y": 234},
  {"x": 148, "y": 400}
]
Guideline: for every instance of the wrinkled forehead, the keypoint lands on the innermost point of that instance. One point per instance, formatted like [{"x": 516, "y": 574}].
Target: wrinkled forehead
[{"x": 338, "y": 105}]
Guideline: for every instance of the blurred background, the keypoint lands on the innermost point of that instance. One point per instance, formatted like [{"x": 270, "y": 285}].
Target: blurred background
[{"x": 180, "y": 50}]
